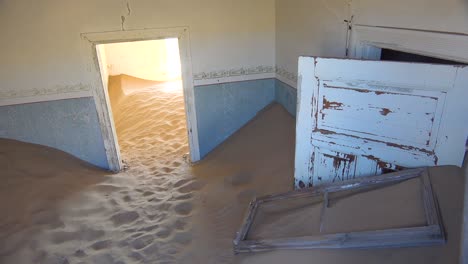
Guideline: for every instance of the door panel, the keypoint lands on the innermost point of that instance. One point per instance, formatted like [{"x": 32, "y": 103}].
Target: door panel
[
  {"x": 387, "y": 116},
  {"x": 360, "y": 118},
  {"x": 334, "y": 166}
]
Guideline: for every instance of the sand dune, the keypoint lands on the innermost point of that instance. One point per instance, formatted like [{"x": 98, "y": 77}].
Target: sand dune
[{"x": 160, "y": 209}]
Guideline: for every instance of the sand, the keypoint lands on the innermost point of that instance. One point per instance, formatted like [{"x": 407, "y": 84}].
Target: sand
[
  {"x": 160, "y": 209},
  {"x": 58, "y": 209},
  {"x": 447, "y": 183},
  {"x": 395, "y": 206}
]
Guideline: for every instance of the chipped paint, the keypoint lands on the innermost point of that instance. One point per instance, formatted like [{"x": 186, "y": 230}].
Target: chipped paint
[
  {"x": 333, "y": 166},
  {"x": 366, "y": 140},
  {"x": 385, "y": 111},
  {"x": 332, "y": 105},
  {"x": 376, "y": 91},
  {"x": 385, "y": 123}
]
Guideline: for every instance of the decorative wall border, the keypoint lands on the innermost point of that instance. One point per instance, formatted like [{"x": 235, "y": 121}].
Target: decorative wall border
[
  {"x": 58, "y": 92},
  {"x": 246, "y": 74},
  {"x": 234, "y": 75},
  {"x": 234, "y": 72},
  {"x": 287, "y": 77},
  {"x": 44, "y": 98}
]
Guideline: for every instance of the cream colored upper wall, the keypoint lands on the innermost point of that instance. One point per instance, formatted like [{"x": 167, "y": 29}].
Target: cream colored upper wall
[
  {"x": 316, "y": 27},
  {"x": 41, "y": 45},
  {"x": 437, "y": 15},
  {"x": 305, "y": 27},
  {"x": 156, "y": 60}
]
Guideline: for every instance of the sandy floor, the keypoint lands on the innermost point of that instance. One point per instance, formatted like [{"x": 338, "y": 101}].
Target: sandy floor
[
  {"x": 57, "y": 209},
  {"x": 160, "y": 209}
]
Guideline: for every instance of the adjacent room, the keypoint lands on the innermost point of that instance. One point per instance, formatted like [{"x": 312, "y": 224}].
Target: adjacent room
[
  {"x": 266, "y": 131},
  {"x": 144, "y": 84}
]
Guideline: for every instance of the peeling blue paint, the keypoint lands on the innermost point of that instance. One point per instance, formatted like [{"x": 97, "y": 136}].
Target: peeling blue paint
[{"x": 69, "y": 125}]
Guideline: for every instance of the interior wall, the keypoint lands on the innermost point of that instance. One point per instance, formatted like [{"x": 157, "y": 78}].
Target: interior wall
[
  {"x": 318, "y": 27},
  {"x": 42, "y": 39},
  {"x": 69, "y": 125},
  {"x": 305, "y": 27},
  {"x": 156, "y": 60},
  {"x": 222, "y": 109},
  {"x": 45, "y": 54},
  {"x": 286, "y": 96},
  {"x": 228, "y": 38}
]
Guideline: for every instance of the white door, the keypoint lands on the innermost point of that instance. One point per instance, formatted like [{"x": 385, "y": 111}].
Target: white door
[{"x": 361, "y": 118}]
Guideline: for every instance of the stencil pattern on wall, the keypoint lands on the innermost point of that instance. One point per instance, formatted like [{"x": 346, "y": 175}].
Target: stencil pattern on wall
[
  {"x": 286, "y": 74},
  {"x": 57, "y": 89},
  {"x": 234, "y": 72}
]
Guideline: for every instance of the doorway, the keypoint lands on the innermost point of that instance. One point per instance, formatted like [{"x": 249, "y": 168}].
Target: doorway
[
  {"x": 144, "y": 83},
  {"x": 92, "y": 45}
]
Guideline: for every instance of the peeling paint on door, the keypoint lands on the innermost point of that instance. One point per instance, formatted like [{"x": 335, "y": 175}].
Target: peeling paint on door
[{"x": 361, "y": 118}]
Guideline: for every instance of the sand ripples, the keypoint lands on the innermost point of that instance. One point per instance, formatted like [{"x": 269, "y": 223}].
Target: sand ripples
[{"x": 160, "y": 209}]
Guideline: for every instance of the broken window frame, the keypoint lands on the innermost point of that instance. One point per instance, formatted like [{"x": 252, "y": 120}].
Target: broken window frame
[{"x": 430, "y": 234}]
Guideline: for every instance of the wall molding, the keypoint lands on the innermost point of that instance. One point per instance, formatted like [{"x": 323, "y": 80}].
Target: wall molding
[
  {"x": 57, "y": 92},
  {"x": 44, "y": 98},
  {"x": 234, "y": 75},
  {"x": 287, "y": 77},
  {"x": 57, "y": 89},
  {"x": 246, "y": 74},
  {"x": 231, "y": 79},
  {"x": 60, "y": 92}
]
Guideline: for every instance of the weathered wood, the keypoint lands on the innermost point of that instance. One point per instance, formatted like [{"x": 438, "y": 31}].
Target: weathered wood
[
  {"x": 324, "y": 208},
  {"x": 350, "y": 184},
  {"x": 434, "y": 217},
  {"x": 242, "y": 234},
  {"x": 359, "y": 118},
  {"x": 403, "y": 237},
  {"x": 432, "y": 233},
  {"x": 429, "y": 205}
]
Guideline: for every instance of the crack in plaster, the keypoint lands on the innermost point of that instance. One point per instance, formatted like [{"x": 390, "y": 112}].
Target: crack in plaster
[{"x": 122, "y": 18}]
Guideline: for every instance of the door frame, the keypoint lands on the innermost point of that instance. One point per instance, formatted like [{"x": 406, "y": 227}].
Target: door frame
[
  {"x": 366, "y": 42},
  {"x": 101, "y": 96}
]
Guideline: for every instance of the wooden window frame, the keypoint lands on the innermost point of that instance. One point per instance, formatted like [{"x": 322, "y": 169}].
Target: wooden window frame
[{"x": 430, "y": 234}]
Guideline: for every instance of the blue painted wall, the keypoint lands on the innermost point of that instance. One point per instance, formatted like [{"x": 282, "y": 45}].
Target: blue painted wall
[
  {"x": 224, "y": 108},
  {"x": 286, "y": 96},
  {"x": 70, "y": 125}
]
